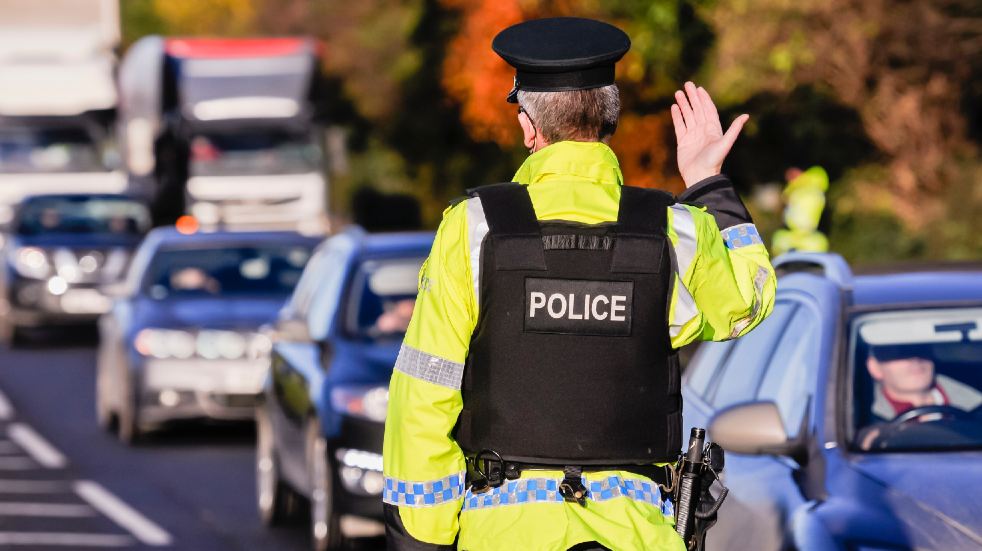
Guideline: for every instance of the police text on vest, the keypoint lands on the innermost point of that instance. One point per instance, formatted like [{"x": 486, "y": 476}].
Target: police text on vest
[{"x": 578, "y": 306}]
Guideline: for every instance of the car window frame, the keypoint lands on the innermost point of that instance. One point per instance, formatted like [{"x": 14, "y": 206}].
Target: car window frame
[{"x": 845, "y": 388}]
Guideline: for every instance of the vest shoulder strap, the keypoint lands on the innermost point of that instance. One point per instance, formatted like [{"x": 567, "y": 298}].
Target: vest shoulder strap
[
  {"x": 643, "y": 210},
  {"x": 512, "y": 225},
  {"x": 507, "y": 209},
  {"x": 642, "y": 220}
]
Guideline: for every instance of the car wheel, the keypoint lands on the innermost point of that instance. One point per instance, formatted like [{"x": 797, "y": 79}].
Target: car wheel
[
  {"x": 276, "y": 501},
  {"x": 11, "y": 336},
  {"x": 325, "y": 525},
  {"x": 128, "y": 429},
  {"x": 103, "y": 414}
]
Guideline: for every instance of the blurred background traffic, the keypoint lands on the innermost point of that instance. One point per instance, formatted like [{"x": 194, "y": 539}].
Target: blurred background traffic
[{"x": 214, "y": 212}]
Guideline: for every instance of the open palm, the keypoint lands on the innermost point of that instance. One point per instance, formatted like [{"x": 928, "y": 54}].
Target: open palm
[{"x": 702, "y": 145}]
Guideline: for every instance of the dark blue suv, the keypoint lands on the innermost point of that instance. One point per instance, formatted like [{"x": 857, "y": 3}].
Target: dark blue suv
[
  {"x": 319, "y": 431},
  {"x": 852, "y": 414}
]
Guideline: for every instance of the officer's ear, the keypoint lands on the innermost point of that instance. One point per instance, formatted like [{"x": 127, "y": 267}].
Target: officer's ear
[{"x": 529, "y": 132}]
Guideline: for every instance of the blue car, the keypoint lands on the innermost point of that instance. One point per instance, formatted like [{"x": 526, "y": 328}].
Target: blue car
[
  {"x": 319, "y": 430},
  {"x": 183, "y": 339},
  {"x": 59, "y": 252},
  {"x": 851, "y": 416}
]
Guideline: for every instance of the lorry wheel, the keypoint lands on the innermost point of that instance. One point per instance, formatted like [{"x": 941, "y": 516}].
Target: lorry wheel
[
  {"x": 325, "y": 525},
  {"x": 277, "y": 502}
]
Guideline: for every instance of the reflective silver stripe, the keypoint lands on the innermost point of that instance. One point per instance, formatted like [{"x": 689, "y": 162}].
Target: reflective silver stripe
[
  {"x": 685, "y": 308},
  {"x": 430, "y": 368},
  {"x": 760, "y": 279},
  {"x": 477, "y": 228},
  {"x": 405, "y": 493}
]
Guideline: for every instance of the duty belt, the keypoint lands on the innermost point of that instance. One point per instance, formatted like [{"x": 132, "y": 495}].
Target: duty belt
[{"x": 487, "y": 470}]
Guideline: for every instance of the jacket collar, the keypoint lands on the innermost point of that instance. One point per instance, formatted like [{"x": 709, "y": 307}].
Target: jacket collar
[{"x": 592, "y": 162}]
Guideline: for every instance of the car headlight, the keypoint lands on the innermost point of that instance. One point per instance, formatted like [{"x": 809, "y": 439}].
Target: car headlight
[
  {"x": 215, "y": 344},
  {"x": 165, "y": 343},
  {"x": 367, "y": 402},
  {"x": 31, "y": 262}
]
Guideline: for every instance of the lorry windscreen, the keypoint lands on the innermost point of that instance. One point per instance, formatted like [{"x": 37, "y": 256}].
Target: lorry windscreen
[
  {"x": 48, "y": 149},
  {"x": 253, "y": 153}
]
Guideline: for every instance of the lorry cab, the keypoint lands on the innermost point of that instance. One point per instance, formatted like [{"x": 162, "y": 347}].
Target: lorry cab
[
  {"x": 57, "y": 99},
  {"x": 225, "y": 130}
]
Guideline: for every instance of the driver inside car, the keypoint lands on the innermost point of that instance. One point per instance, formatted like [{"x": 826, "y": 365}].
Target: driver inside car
[{"x": 905, "y": 379}]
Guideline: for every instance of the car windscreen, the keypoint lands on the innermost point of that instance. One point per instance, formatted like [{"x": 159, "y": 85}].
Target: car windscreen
[
  {"x": 917, "y": 379},
  {"x": 253, "y": 152},
  {"x": 381, "y": 298},
  {"x": 82, "y": 215},
  {"x": 225, "y": 270},
  {"x": 53, "y": 149}
]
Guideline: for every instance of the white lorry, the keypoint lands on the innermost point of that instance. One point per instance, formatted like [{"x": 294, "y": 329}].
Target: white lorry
[
  {"x": 225, "y": 130},
  {"x": 57, "y": 98}
]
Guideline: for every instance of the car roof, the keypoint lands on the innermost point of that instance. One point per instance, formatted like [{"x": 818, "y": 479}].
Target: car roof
[
  {"x": 882, "y": 286},
  {"x": 917, "y": 287},
  {"x": 382, "y": 243},
  {"x": 169, "y": 236}
]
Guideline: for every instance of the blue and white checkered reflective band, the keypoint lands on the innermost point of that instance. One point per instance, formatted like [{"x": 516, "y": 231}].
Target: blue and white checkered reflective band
[
  {"x": 423, "y": 494},
  {"x": 741, "y": 235},
  {"x": 546, "y": 490}
]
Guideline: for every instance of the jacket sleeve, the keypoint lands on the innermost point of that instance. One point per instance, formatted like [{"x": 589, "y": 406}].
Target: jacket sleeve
[
  {"x": 724, "y": 284},
  {"x": 423, "y": 466}
]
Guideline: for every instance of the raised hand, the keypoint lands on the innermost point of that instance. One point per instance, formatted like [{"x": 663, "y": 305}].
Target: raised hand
[{"x": 702, "y": 145}]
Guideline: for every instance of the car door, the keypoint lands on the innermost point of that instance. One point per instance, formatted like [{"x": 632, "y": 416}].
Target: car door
[
  {"x": 784, "y": 353},
  {"x": 296, "y": 361}
]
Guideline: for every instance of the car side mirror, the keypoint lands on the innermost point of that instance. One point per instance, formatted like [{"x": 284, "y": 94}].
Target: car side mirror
[{"x": 755, "y": 428}]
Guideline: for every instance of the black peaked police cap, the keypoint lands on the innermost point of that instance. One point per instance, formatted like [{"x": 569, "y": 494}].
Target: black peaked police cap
[{"x": 561, "y": 53}]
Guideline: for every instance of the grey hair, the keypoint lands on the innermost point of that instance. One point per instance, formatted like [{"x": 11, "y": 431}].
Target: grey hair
[{"x": 577, "y": 115}]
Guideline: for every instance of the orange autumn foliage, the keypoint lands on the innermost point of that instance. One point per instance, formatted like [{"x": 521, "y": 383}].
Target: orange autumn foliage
[
  {"x": 477, "y": 78},
  {"x": 646, "y": 151}
]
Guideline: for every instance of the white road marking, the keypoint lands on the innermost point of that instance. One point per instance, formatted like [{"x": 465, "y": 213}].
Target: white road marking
[
  {"x": 122, "y": 514},
  {"x": 39, "y": 448},
  {"x": 67, "y": 539},
  {"x": 6, "y": 410},
  {"x": 19, "y": 463},
  {"x": 19, "y": 509},
  {"x": 33, "y": 487}
]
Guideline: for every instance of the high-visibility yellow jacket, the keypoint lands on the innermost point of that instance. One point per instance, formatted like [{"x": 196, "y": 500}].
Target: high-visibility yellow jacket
[{"x": 724, "y": 287}]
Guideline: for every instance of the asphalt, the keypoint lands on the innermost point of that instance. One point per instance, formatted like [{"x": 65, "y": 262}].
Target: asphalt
[{"x": 188, "y": 487}]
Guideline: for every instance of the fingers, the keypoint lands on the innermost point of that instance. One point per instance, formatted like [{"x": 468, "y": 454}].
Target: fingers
[
  {"x": 678, "y": 122},
  {"x": 698, "y": 111},
  {"x": 683, "y": 103},
  {"x": 709, "y": 108},
  {"x": 733, "y": 132}
]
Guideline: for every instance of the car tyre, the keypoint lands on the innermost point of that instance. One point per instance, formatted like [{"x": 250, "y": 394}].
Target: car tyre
[
  {"x": 277, "y": 502},
  {"x": 325, "y": 522},
  {"x": 129, "y": 431}
]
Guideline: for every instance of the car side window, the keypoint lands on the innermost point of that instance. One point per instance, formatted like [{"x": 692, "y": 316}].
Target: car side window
[
  {"x": 706, "y": 365},
  {"x": 745, "y": 364},
  {"x": 787, "y": 381},
  {"x": 309, "y": 280}
]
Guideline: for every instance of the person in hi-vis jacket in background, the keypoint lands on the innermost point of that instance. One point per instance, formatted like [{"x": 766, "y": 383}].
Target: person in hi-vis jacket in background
[{"x": 536, "y": 398}]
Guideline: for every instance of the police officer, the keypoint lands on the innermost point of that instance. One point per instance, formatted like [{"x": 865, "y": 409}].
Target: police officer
[{"x": 536, "y": 397}]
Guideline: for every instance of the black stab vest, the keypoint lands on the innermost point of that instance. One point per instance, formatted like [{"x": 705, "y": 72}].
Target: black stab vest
[{"x": 571, "y": 361}]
